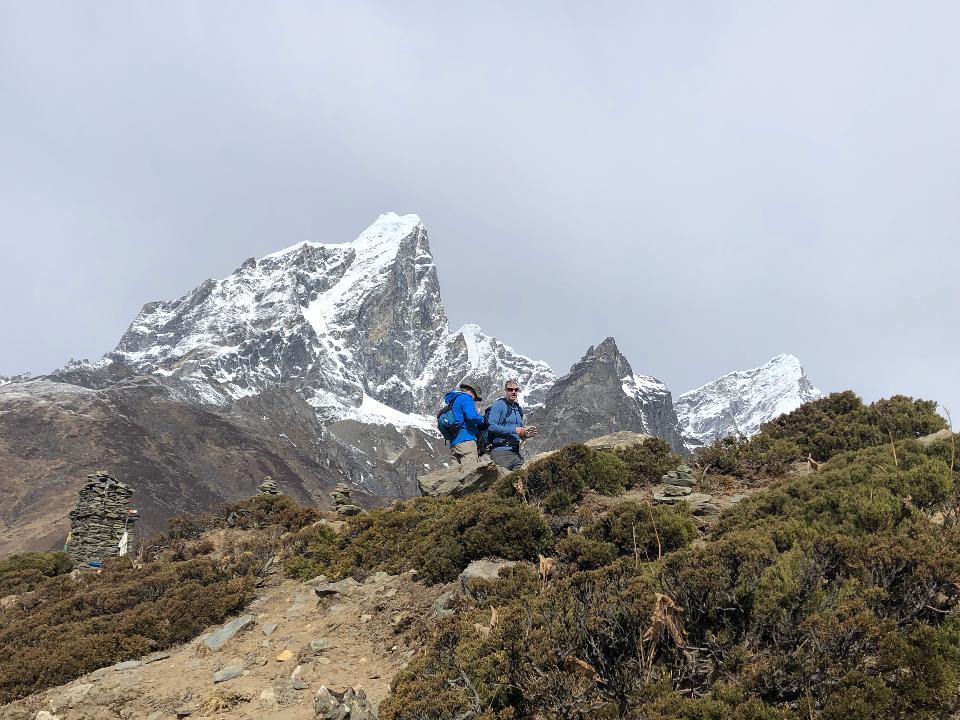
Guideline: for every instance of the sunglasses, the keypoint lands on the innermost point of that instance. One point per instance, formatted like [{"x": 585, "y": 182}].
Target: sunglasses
[{"x": 513, "y": 389}]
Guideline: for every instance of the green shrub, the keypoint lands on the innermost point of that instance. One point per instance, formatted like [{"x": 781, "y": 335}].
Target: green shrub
[
  {"x": 437, "y": 537},
  {"x": 760, "y": 456},
  {"x": 558, "y": 481},
  {"x": 310, "y": 552},
  {"x": 648, "y": 530},
  {"x": 251, "y": 513},
  {"x": 648, "y": 461},
  {"x": 22, "y": 573},
  {"x": 69, "y": 628},
  {"x": 585, "y": 553},
  {"x": 841, "y": 422}
]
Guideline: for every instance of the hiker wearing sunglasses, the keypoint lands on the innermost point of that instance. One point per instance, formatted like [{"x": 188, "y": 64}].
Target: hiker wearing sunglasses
[{"x": 506, "y": 430}]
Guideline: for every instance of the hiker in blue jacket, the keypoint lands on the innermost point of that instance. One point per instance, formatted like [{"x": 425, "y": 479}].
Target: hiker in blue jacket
[
  {"x": 463, "y": 448},
  {"x": 506, "y": 430}
]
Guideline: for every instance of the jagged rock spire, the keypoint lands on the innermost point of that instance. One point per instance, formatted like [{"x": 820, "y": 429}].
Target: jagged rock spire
[{"x": 601, "y": 394}]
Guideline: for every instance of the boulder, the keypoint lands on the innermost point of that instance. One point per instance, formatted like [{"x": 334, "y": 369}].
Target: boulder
[
  {"x": 449, "y": 481},
  {"x": 485, "y": 569}
]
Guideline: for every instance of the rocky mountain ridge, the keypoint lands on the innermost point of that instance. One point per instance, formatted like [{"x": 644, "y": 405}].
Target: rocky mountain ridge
[{"x": 601, "y": 394}]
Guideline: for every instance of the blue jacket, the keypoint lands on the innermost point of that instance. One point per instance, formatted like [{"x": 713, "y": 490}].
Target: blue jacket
[
  {"x": 505, "y": 417},
  {"x": 465, "y": 413}
]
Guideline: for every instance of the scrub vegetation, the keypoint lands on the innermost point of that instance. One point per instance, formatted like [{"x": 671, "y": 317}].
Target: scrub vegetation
[{"x": 828, "y": 594}]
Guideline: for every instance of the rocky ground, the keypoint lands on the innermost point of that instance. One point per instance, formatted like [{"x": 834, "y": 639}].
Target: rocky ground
[
  {"x": 292, "y": 643},
  {"x": 293, "y": 639}
]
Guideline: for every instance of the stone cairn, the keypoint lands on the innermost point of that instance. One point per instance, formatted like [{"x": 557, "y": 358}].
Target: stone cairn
[
  {"x": 101, "y": 516},
  {"x": 268, "y": 487},
  {"x": 342, "y": 500},
  {"x": 677, "y": 484}
]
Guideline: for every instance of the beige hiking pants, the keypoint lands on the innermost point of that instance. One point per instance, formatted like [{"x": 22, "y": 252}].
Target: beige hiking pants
[{"x": 465, "y": 455}]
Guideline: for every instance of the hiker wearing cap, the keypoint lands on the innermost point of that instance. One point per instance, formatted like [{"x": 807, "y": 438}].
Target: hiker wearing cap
[
  {"x": 506, "y": 430},
  {"x": 463, "y": 403}
]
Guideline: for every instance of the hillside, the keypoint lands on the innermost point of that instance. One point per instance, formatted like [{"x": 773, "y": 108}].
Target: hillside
[{"x": 815, "y": 589}]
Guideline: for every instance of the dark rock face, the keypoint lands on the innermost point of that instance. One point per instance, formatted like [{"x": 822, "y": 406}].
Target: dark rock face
[{"x": 601, "y": 395}]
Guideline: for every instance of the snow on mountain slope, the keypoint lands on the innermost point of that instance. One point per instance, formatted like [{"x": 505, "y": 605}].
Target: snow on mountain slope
[
  {"x": 357, "y": 329},
  {"x": 740, "y": 402},
  {"x": 469, "y": 351}
]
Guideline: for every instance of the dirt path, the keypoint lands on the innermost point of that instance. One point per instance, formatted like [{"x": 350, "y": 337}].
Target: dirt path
[{"x": 361, "y": 637}]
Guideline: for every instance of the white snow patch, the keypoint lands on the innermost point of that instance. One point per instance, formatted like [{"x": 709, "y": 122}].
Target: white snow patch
[{"x": 374, "y": 412}]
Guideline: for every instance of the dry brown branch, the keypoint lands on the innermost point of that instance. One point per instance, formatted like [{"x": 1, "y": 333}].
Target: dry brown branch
[
  {"x": 520, "y": 488},
  {"x": 575, "y": 664},
  {"x": 546, "y": 569},
  {"x": 665, "y": 620}
]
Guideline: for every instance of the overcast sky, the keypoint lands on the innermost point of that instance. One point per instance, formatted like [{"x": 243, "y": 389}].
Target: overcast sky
[{"x": 710, "y": 183}]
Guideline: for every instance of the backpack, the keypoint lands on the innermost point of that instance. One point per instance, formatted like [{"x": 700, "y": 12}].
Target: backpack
[
  {"x": 483, "y": 437},
  {"x": 447, "y": 423}
]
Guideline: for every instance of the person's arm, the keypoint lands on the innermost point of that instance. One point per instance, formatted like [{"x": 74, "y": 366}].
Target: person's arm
[{"x": 469, "y": 409}]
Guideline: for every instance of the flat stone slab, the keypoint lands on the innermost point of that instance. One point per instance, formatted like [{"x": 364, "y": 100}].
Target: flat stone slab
[
  {"x": 268, "y": 630},
  {"x": 128, "y": 665},
  {"x": 678, "y": 481},
  {"x": 218, "y": 638},
  {"x": 702, "y": 504},
  {"x": 228, "y": 673},
  {"x": 156, "y": 657}
]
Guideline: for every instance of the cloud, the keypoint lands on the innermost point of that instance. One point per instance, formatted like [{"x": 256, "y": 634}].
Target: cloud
[{"x": 710, "y": 184}]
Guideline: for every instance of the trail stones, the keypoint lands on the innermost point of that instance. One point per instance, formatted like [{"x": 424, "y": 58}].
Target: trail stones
[
  {"x": 217, "y": 639},
  {"x": 128, "y": 665},
  {"x": 349, "y": 704},
  {"x": 228, "y": 673},
  {"x": 342, "y": 500},
  {"x": 100, "y": 519},
  {"x": 71, "y": 697},
  {"x": 677, "y": 485},
  {"x": 328, "y": 589},
  {"x": 268, "y": 487}
]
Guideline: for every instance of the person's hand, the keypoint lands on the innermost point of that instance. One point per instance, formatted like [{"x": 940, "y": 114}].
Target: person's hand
[{"x": 521, "y": 431}]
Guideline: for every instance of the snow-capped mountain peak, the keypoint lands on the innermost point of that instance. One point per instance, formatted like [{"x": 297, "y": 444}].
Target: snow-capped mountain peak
[
  {"x": 740, "y": 402},
  {"x": 358, "y": 329}
]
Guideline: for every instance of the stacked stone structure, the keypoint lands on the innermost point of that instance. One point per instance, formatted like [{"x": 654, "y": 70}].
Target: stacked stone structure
[
  {"x": 100, "y": 518},
  {"x": 678, "y": 483},
  {"x": 268, "y": 487},
  {"x": 342, "y": 500}
]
